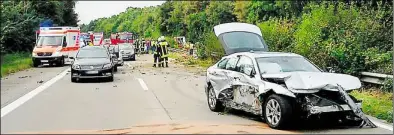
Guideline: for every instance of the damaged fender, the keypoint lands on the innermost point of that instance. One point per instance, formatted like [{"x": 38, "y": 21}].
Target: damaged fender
[
  {"x": 316, "y": 80},
  {"x": 278, "y": 89}
]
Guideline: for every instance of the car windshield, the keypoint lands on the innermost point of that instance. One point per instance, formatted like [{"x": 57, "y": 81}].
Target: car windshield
[
  {"x": 242, "y": 39},
  {"x": 50, "y": 41},
  {"x": 285, "y": 64},
  {"x": 125, "y": 36},
  {"x": 92, "y": 53},
  {"x": 125, "y": 47}
]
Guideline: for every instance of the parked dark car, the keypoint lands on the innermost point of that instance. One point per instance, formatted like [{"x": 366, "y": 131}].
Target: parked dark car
[
  {"x": 93, "y": 62},
  {"x": 127, "y": 51}
]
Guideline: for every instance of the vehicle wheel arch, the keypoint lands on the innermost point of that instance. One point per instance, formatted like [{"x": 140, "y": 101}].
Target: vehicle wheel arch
[
  {"x": 263, "y": 96},
  {"x": 209, "y": 84}
]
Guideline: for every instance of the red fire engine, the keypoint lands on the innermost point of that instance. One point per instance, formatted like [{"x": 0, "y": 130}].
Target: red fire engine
[
  {"x": 122, "y": 37},
  {"x": 98, "y": 38}
]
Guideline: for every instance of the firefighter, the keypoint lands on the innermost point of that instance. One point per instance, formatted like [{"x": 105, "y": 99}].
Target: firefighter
[
  {"x": 156, "y": 54},
  {"x": 136, "y": 44},
  {"x": 142, "y": 45},
  {"x": 164, "y": 51},
  {"x": 90, "y": 43}
]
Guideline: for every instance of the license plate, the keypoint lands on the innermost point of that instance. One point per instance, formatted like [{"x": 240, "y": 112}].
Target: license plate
[
  {"x": 91, "y": 72},
  {"x": 44, "y": 60}
]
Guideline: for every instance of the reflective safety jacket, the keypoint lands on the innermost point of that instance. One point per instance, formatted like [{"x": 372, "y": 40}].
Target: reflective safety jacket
[
  {"x": 154, "y": 47},
  {"x": 164, "y": 49}
]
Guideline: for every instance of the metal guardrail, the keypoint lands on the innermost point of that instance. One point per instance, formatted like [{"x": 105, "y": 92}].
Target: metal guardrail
[
  {"x": 374, "y": 78},
  {"x": 366, "y": 77}
]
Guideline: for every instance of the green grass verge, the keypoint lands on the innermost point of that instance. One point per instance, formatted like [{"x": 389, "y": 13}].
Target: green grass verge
[
  {"x": 15, "y": 62},
  {"x": 376, "y": 103},
  {"x": 188, "y": 60}
]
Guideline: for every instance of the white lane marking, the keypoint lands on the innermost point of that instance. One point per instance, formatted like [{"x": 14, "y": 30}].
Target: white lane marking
[
  {"x": 381, "y": 125},
  {"x": 10, "y": 107},
  {"x": 142, "y": 83}
]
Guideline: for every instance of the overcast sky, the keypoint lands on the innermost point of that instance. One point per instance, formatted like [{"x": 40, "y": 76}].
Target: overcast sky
[{"x": 90, "y": 10}]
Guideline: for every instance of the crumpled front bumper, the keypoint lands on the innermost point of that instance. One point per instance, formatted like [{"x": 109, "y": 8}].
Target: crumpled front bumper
[{"x": 331, "y": 108}]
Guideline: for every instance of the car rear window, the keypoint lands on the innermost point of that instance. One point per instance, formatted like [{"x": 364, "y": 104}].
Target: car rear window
[
  {"x": 222, "y": 63},
  {"x": 242, "y": 39},
  {"x": 231, "y": 63}
]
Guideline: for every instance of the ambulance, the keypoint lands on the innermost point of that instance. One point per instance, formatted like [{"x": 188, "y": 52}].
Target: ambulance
[
  {"x": 98, "y": 38},
  {"x": 54, "y": 45}
]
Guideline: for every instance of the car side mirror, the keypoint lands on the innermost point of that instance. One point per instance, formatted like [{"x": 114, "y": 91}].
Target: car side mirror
[
  {"x": 253, "y": 73},
  {"x": 113, "y": 56},
  {"x": 330, "y": 70}
]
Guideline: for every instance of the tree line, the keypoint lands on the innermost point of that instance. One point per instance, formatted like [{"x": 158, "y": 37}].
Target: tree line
[
  {"x": 348, "y": 35},
  {"x": 20, "y": 20}
]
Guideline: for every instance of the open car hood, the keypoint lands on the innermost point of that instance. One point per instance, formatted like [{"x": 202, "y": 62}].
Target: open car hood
[
  {"x": 316, "y": 80},
  {"x": 240, "y": 37},
  {"x": 180, "y": 129}
]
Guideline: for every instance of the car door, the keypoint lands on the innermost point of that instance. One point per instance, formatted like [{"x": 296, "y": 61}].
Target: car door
[
  {"x": 216, "y": 75},
  {"x": 220, "y": 75},
  {"x": 244, "y": 85}
]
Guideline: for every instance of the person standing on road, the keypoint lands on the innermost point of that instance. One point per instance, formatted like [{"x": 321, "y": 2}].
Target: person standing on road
[
  {"x": 191, "y": 49},
  {"x": 136, "y": 46},
  {"x": 142, "y": 45},
  {"x": 164, "y": 51},
  {"x": 148, "y": 45},
  {"x": 156, "y": 54}
]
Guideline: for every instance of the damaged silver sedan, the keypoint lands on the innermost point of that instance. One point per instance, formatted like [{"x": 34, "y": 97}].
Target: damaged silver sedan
[{"x": 279, "y": 87}]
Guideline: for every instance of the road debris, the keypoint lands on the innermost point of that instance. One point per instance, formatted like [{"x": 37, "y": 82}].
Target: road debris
[
  {"x": 22, "y": 76},
  {"x": 356, "y": 109}
]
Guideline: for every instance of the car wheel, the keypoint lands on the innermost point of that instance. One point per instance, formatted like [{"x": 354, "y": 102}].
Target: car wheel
[
  {"x": 63, "y": 62},
  {"x": 111, "y": 79},
  {"x": 74, "y": 79},
  {"x": 35, "y": 64},
  {"x": 60, "y": 63},
  {"x": 214, "y": 104},
  {"x": 116, "y": 68},
  {"x": 277, "y": 111}
]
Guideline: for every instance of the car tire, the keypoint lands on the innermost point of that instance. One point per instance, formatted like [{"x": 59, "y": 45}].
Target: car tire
[
  {"x": 116, "y": 68},
  {"x": 283, "y": 105},
  {"x": 35, "y": 64},
  {"x": 213, "y": 104},
  {"x": 111, "y": 79},
  {"x": 74, "y": 79},
  {"x": 60, "y": 63}
]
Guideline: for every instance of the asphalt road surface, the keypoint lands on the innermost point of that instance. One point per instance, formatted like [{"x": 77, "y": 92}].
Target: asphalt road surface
[{"x": 45, "y": 100}]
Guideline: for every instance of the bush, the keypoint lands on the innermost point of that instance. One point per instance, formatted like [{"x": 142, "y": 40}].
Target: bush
[
  {"x": 11, "y": 63},
  {"x": 212, "y": 46}
]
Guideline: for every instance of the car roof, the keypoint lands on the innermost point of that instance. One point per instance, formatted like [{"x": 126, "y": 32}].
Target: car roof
[
  {"x": 260, "y": 54},
  {"x": 92, "y": 47}
]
